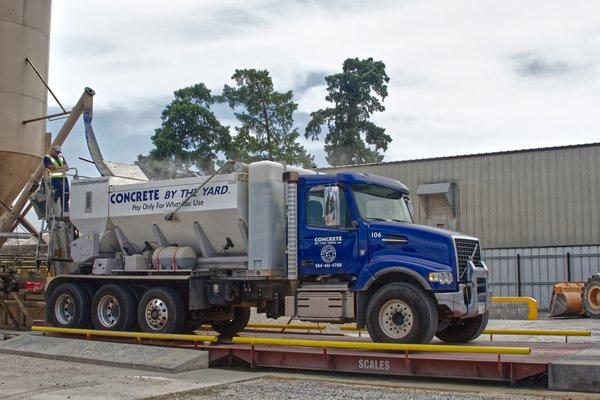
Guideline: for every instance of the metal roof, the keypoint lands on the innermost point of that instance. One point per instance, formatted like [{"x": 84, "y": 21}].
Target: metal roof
[{"x": 535, "y": 149}]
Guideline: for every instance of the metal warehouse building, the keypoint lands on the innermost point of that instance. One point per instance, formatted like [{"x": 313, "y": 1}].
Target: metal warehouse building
[{"x": 536, "y": 211}]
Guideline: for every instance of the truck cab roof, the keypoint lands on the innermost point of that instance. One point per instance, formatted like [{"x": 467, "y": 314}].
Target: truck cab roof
[{"x": 354, "y": 178}]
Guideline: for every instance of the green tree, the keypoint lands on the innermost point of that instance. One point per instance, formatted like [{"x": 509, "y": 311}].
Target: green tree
[
  {"x": 356, "y": 93},
  {"x": 190, "y": 141},
  {"x": 266, "y": 118}
]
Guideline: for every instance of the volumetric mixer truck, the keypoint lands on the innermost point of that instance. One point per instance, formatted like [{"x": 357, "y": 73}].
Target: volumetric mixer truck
[{"x": 168, "y": 256}]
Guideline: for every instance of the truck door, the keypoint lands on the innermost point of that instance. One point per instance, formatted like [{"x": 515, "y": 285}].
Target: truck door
[{"x": 328, "y": 243}]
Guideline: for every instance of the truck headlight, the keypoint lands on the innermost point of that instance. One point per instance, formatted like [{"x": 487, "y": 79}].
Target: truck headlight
[{"x": 444, "y": 278}]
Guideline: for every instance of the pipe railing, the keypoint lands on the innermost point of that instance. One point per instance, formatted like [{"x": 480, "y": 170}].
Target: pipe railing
[{"x": 321, "y": 344}]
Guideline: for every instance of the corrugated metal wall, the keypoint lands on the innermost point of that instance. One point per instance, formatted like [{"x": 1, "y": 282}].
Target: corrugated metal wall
[
  {"x": 532, "y": 271},
  {"x": 542, "y": 197}
]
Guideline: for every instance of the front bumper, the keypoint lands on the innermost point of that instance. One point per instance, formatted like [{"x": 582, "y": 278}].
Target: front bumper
[{"x": 472, "y": 298}]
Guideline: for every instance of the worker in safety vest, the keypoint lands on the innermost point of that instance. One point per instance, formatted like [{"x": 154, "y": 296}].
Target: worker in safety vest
[{"x": 57, "y": 167}]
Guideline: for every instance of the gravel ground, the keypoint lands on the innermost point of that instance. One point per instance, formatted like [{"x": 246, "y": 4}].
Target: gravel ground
[{"x": 298, "y": 389}]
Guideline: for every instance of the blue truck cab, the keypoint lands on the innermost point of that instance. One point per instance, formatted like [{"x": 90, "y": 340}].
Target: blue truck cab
[{"x": 404, "y": 282}]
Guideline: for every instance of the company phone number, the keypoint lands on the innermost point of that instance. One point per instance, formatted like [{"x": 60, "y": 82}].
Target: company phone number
[{"x": 332, "y": 265}]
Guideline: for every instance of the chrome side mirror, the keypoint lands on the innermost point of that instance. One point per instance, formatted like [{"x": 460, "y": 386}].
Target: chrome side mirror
[{"x": 332, "y": 206}]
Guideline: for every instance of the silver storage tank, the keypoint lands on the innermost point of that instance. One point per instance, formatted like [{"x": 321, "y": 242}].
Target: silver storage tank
[{"x": 24, "y": 33}]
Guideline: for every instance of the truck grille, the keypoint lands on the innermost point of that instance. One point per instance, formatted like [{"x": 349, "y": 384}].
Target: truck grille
[{"x": 465, "y": 249}]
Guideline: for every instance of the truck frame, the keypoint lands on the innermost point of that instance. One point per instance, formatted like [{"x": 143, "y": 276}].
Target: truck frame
[{"x": 169, "y": 256}]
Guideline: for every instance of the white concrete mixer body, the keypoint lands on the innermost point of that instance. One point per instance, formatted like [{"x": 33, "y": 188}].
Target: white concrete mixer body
[
  {"x": 235, "y": 220},
  {"x": 212, "y": 223}
]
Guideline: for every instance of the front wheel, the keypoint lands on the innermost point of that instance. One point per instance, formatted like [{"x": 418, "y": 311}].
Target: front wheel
[
  {"x": 465, "y": 330},
  {"x": 401, "y": 313},
  {"x": 241, "y": 316},
  {"x": 591, "y": 297}
]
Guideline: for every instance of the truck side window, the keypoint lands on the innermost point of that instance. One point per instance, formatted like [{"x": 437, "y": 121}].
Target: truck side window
[{"x": 316, "y": 208}]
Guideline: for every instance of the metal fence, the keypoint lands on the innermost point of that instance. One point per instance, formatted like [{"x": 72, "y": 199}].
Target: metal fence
[{"x": 532, "y": 271}]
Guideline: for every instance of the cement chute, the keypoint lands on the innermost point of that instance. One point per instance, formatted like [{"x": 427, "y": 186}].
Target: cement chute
[{"x": 108, "y": 168}]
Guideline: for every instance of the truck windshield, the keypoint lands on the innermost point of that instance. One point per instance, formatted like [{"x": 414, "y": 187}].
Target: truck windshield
[{"x": 381, "y": 203}]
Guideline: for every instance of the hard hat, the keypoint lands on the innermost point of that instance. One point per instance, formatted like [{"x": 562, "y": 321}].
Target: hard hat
[{"x": 56, "y": 148}]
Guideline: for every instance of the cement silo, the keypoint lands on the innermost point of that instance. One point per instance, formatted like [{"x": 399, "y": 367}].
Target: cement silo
[{"x": 24, "y": 34}]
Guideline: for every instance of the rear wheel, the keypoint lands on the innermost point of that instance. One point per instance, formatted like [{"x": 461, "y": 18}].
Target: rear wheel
[
  {"x": 401, "y": 313},
  {"x": 241, "y": 316},
  {"x": 591, "y": 296},
  {"x": 465, "y": 330},
  {"x": 69, "y": 305},
  {"x": 114, "y": 308},
  {"x": 161, "y": 311}
]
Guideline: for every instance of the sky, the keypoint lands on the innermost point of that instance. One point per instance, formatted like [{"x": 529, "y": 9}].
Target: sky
[{"x": 466, "y": 76}]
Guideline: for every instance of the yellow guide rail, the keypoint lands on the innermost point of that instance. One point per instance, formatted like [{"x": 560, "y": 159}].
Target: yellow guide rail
[{"x": 333, "y": 344}]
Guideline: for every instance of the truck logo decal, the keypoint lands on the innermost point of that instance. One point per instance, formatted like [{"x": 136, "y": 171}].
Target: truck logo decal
[
  {"x": 321, "y": 240},
  {"x": 328, "y": 253}
]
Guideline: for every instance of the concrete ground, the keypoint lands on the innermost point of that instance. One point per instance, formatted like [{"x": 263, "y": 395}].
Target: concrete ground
[
  {"x": 593, "y": 325},
  {"x": 37, "y": 379},
  {"x": 33, "y": 378}
]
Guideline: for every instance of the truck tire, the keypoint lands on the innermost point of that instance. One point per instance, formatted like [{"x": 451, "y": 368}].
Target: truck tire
[
  {"x": 591, "y": 296},
  {"x": 161, "y": 311},
  {"x": 466, "y": 330},
  {"x": 69, "y": 305},
  {"x": 401, "y": 313},
  {"x": 114, "y": 308},
  {"x": 241, "y": 316}
]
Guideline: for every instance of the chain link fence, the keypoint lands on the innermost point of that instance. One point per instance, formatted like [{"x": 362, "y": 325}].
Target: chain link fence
[{"x": 532, "y": 271}]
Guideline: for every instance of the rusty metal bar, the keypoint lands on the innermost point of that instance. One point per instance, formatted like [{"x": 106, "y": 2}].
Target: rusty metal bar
[
  {"x": 21, "y": 219},
  {"x": 27, "y": 121},
  {"x": 45, "y": 84}
]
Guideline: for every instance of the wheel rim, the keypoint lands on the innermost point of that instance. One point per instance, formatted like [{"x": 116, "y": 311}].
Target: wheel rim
[
  {"x": 396, "y": 319},
  {"x": 64, "y": 309},
  {"x": 109, "y": 311},
  {"x": 157, "y": 314},
  {"x": 594, "y": 297}
]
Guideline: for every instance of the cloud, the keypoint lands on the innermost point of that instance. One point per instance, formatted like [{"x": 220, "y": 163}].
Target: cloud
[
  {"x": 217, "y": 24},
  {"x": 466, "y": 76},
  {"x": 309, "y": 80},
  {"x": 535, "y": 65}
]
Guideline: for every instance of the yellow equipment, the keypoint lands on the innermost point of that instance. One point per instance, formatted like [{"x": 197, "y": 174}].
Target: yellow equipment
[{"x": 566, "y": 299}]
